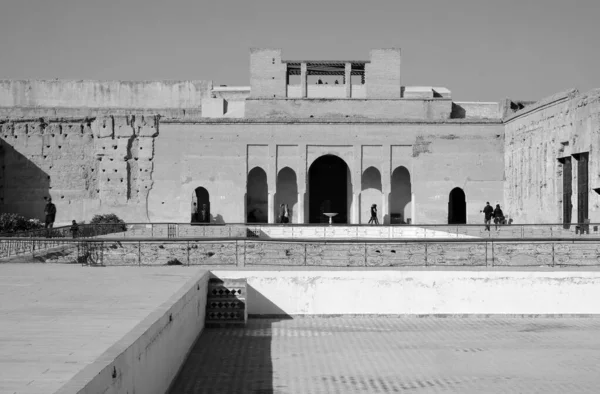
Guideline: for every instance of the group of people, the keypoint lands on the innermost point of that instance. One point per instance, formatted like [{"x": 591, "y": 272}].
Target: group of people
[
  {"x": 492, "y": 213},
  {"x": 50, "y": 216}
]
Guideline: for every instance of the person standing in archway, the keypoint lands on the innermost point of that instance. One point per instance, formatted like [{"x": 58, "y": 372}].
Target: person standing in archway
[
  {"x": 374, "y": 214},
  {"x": 488, "y": 212},
  {"x": 204, "y": 214},
  {"x": 286, "y": 214}
]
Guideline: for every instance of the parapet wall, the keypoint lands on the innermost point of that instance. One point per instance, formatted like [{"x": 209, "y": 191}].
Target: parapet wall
[
  {"x": 149, "y": 357},
  {"x": 103, "y": 94}
]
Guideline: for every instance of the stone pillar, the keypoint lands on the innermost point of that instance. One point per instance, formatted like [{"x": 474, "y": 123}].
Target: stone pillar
[
  {"x": 356, "y": 172},
  {"x": 347, "y": 80},
  {"x": 272, "y": 181},
  {"x": 302, "y": 184},
  {"x": 386, "y": 183},
  {"x": 303, "y": 79},
  {"x": 271, "y": 205}
]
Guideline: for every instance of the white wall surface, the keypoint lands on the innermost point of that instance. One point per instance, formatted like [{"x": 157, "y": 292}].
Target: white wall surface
[{"x": 420, "y": 292}]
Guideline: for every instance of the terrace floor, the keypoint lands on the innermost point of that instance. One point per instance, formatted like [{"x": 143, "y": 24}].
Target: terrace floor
[
  {"x": 56, "y": 319},
  {"x": 381, "y": 355}
]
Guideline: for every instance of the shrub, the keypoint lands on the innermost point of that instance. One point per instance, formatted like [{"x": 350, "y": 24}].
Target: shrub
[
  {"x": 12, "y": 222},
  {"x": 110, "y": 218}
]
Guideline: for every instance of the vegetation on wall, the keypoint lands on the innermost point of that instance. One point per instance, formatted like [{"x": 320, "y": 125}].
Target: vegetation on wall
[
  {"x": 110, "y": 219},
  {"x": 12, "y": 222}
]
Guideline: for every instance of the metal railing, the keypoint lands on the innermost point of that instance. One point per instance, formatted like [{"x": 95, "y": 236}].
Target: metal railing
[{"x": 243, "y": 252}]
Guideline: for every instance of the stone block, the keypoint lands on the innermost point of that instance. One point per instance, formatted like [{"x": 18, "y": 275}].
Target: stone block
[
  {"x": 424, "y": 92},
  {"x": 103, "y": 127},
  {"x": 213, "y": 107}
]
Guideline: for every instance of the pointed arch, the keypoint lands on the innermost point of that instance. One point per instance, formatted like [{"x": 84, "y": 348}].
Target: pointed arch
[{"x": 257, "y": 196}]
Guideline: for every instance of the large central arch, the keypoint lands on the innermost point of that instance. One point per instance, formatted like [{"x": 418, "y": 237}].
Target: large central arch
[{"x": 329, "y": 189}]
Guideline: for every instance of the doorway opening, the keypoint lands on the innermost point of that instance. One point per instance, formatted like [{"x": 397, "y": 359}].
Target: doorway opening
[
  {"x": 329, "y": 189},
  {"x": 457, "y": 207},
  {"x": 200, "y": 206}
]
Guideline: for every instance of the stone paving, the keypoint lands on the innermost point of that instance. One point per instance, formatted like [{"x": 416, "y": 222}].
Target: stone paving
[
  {"x": 384, "y": 354},
  {"x": 55, "y": 319}
]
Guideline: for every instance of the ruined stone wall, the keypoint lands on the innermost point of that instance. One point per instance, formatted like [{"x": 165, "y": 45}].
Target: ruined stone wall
[
  {"x": 536, "y": 137},
  {"x": 86, "y": 165}
]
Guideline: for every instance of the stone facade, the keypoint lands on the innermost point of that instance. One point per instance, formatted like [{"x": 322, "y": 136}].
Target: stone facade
[
  {"x": 158, "y": 151},
  {"x": 538, "y": 140}
]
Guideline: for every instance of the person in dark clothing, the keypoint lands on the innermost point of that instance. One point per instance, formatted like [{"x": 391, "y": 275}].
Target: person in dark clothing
[
  {"x": 498, "y": 216},
  {"x": 281, "y": 213},
  {"x": 204, "y": 214},
  {"x": 50, "y": 212},
  {"x": 75, "y": 229},
  {"x": 488, "y": 212},
  {"x": 374, "y": 214}
]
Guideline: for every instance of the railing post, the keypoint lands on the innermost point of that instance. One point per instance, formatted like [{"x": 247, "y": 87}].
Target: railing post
[
  {"x": 553, "y": 254},
  {"x": 426, "y": 254},
  {"x": 188, "y": 253},
  {"x": 140, "y": 253},
  {"x": 236, "y": 251},
  {"x": 305, "y": 254}
]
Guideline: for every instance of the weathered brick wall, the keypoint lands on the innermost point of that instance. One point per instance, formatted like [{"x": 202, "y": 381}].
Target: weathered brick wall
[
  {"x": 87, "y": 166},
  {"x": 535, "y": 138}
]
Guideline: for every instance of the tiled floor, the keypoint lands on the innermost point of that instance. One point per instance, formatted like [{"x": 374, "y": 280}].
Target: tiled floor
[
  {"x": 381, "y": 355},
  {"x": 56, "y": 319}
]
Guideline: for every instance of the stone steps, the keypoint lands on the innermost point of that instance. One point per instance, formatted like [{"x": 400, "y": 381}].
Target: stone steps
[{"x": 226, "y": 303}]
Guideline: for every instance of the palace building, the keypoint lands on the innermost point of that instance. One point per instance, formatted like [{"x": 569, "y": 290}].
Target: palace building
[{"x": 321, "y": 136}]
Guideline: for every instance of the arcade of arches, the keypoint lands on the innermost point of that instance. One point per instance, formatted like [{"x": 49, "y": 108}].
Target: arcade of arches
[{"x": 329, "y": 188}]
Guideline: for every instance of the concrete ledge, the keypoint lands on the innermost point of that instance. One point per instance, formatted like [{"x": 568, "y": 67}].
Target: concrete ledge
[{"x": 149, "y": 357}]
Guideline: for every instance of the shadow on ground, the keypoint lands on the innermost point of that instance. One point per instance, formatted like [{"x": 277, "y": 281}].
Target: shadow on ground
[{"x": 231, "y": 359}]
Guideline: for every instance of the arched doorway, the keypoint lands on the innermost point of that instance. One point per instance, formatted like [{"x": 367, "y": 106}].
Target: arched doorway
[
  {"x": 329, "y": 189},
  {"x": 257, "y": 197},
  {"x": 401, "y": 197},
  {"x": 370, "y": 194},
  {"x": 200, "y": 206},
  {"x": 457, "y": 207},
  {"x": 286, "y": 193}
]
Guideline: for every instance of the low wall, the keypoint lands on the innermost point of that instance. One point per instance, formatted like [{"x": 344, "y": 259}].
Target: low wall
[
  {"x": 419, "y": 292},
  {"x": 103, "y": 94},
  {"x": 149, "y": 357},
  {"x": 421, "y": 109}
]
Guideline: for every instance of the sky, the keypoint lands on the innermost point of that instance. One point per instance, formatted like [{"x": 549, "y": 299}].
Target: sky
[{"x": 481, "y": 50}]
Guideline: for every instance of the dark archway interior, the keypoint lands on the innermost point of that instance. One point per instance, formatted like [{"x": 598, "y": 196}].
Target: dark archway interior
[
  {"x": 400, "y": 196},
  {"x": 457, "y": 207},
  {"x": 287, "y": 193},
  {"x": 201, "y": 199},
  {"x": 328, "y": 189},
  {"x": 257, "y": 196}
]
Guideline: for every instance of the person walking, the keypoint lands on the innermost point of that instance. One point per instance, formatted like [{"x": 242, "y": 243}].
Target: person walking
[
  {"x": 488, "y": 212},
  {"x": 498, "y": 216},
  {"x": 373, "y": 215}
]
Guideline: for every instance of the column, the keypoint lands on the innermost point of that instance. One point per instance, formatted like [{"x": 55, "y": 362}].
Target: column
[
  {"x": 272, "y": 182},
  {"x": 347, "y": 80},
  {"x": 302, "y": 183},
  {"x": 386, "y": 187},
  {"x": 303, "y": 79},
  {"x": 356, "y": 172}
]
